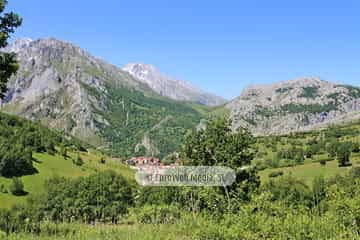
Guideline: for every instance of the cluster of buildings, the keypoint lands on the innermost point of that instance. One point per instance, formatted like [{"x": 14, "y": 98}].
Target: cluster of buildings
[
  {"x": 142, "y": 161},
  {"x": 139, "y": 162}
]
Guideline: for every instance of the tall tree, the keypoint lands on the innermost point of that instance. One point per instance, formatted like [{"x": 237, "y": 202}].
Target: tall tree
[
  {"x": 8, "y": 64},
  {"x": 218, "y": 145}
]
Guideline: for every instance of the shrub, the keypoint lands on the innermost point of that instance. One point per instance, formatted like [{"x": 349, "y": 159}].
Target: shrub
[
  {"x": 102, "y": 160},
  {"x": 78, "y": 161},
  {"x": 3, "y": 189},
  {"x": 158, "y": 214},
  {"x": 63, "y": 151},
  {"x": 276, "y": 174},
  {"x": 355, "y": 172},
  {"x": 17, "y": 187}
]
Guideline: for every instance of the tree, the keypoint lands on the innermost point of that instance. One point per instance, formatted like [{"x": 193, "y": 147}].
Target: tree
[
  {"x": 17, "y": 187},
  {"x": 8, "y": 64},
  {"x": 332, "y": 147},
  {"x": 218, "y": 145},
  {"x": 15, "y": 160},
  {"x": 343, "y": 154}
]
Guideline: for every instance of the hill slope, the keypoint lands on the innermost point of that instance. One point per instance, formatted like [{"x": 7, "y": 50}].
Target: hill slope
[
  {"x": 66, "y": 88},
  {"x": 34, "y": 153},
  {"x": 297, "y": 105}
]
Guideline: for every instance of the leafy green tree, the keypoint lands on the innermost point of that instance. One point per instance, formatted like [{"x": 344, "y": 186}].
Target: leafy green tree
[
  {"x": 218, "y": 145},
  {"x": 8, "y": 64},
  {"x": 15, "y": 160},
  {"x": 17, "y": 187},
  {"x": 343, "y": 154},
  {"x": 332, "y": 147}
]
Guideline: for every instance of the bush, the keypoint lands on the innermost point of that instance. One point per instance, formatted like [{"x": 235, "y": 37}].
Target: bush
[
  {"x": 291, "y": 190},
  {"x": 102, "y": 160},
  {"x": 63, "y": 151},
  {"x": 3, "y": 189},
  {"x": 322, "y": 162},
  {"x": 355, "y": 172},
  {"x": 104, "y": 196},
  {"x": 276, "y": 174},
  {"x": 158, "y": 214},
  {"x": 17, "y": 187},
  {"x": 78, "y": 161}
]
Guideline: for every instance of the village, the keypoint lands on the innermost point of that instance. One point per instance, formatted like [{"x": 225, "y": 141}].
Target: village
[{"x": 145, "y": 162}]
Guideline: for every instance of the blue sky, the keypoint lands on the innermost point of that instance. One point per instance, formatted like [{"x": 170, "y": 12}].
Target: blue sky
[{"x": 220, "y": 46}]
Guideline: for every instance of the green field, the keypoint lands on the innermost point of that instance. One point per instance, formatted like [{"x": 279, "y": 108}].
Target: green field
[{"x": 310, "y": 170}]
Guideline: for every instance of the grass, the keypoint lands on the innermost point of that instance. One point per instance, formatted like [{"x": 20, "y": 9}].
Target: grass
[
  {"x": 49, "y": 166},
  {"x": 123, "y": 232},
  {"x": 309, "y": 170}
]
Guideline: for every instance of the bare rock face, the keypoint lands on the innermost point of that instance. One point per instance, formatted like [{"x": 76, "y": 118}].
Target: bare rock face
[
  {"x": 296, "y": 105},
  {"x": 53, "y": 83},
  {"x": 169, "y": 87}
]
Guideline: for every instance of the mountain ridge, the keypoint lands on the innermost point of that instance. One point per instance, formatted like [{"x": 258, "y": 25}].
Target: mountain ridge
[
  {"x": 296, "y": 105},
  {"x": 171, "y": 87}
]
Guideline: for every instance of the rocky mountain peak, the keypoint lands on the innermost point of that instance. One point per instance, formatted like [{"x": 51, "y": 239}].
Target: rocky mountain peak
[
  {"x": 296, "y": 105},
  {"x": 170, "y": 87},
  {"x": 18, "y": 44},
  {"x": 141, "y": 70}
]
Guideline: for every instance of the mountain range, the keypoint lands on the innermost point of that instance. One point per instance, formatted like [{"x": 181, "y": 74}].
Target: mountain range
[{"x": 137, "y": 110}]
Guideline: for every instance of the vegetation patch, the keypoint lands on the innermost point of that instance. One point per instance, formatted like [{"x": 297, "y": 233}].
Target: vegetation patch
[
  {"x": 283, "y": 90},
  {"x": 309, "y": 92},
  {"x": 309, "y": 108}
]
